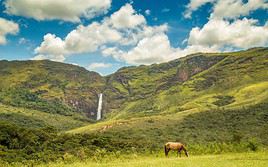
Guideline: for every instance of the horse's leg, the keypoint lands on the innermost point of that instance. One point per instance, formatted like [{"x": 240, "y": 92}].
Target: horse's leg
[
  {"x": 185, "y": 151},
  {"x": 179, "y": 151},
  {"x": 168, "y": 151}
]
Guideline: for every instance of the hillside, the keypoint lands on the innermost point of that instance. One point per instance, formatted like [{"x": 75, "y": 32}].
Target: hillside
[
  {"x": 198, "y": 82},
  {"x": 50, "y": 87},
  {"x": 205, "y": 100},
  {"x": 212, "y": 102}
]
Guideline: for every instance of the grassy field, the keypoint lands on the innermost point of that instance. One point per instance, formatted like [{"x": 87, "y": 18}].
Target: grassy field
[{"x": 225, "y": 160}]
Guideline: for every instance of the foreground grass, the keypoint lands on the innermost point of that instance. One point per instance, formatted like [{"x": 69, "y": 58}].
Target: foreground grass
[{"x": 225, "y": 160}]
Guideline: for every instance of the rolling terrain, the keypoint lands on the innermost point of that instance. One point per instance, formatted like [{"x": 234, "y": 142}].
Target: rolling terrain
[{"x": 213, "y": 102}]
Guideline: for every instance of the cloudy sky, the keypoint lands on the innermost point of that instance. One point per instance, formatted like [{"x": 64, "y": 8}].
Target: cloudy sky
[{"x": 104, "y": 35}]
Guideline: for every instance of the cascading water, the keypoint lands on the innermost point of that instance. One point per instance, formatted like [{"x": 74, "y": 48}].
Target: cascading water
[{"x": 99, "y": 107}]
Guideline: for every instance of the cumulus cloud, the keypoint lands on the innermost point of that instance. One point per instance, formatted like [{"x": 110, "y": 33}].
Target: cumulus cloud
[
  {"x": 95, "y": 66},
  {"x": 194, "y": 5},
  {"x": 127, "y": 37},
  {"x": 59, "y": 58},
  {"x": 226, "y": 28},
  {"x": 52, "y": 48},
  {"x": 243, "y": 33},
  {"x": 126, "y": 17},
  {"x": 89, "y": 38},
  {"x": 67, "y": 10},
  {"x": 124, "y": 27},
  {"x": 227, "y": 8},
  {"x": 237, "y": 8},
  {"x": 154, "y": 49},
  {"x": 7, "y": 27}
]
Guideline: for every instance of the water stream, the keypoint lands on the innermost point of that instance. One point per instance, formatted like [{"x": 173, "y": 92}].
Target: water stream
[{"x": 99, "y": 107}]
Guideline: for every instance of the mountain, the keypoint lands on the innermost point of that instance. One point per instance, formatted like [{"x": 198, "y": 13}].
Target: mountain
[
  {"x": 198, "y": 82},
  {"x": 212, "y": 102},
  {"x": 49, "y": 86}
]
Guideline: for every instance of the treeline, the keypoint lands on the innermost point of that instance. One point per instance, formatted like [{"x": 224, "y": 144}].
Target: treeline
[{"x": 19, "y": 144}]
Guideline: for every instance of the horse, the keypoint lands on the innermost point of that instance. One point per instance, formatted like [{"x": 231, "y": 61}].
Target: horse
[{"x": 176, "y": 146}]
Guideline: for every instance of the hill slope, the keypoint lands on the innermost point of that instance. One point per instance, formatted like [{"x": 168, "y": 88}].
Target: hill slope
[
  {"x": 198, "y": 82},
  {"x": 213, "y": 103},
  {"x": 50, "y": 87},
  {"x": 223, "y": 102}
]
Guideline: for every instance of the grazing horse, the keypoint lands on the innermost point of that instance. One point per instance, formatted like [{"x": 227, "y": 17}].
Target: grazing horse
[{"x": 175, "y": 146}]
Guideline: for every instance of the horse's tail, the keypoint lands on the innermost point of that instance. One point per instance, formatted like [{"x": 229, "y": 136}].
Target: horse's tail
[
  {"x": 166, "y": 150},
  {"x": 185, "y": 151}
]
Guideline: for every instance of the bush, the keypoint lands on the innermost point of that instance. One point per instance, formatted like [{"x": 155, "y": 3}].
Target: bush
[{"x": 224, "y": 100}]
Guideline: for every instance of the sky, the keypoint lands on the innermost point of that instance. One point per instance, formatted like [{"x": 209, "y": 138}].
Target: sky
[{"x": 105, "y": 35}]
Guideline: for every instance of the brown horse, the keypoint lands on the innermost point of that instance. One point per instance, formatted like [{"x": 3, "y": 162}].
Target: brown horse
[{"x": 176, "y": 147}]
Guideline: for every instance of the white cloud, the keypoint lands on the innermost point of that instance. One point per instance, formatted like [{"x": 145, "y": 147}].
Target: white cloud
[
  {"x": 7, "y": 27},
  {"x": 67, "y": 10},
  {"x": 124, "y": 27},
  {"x": 88, "y": 38},
  {"x": 243, "y": 33},
  {"x": 194, "y": 5},
  {"x": 225, "y": 28},
  {"x": 127, "y": 37},
  {"x": 95, "y": 66},
  {"x": 52, "y": 48},
  {"x": 154, "y": 49},
  {"x": 236, "y": 8},
  {"x": 127, "y": 17},
  {"x": 147, "y": 12},
  {"x": 81, "y": 40},
  {"x": 59, "y": 58},
  {"x": 227, "y": 8}
]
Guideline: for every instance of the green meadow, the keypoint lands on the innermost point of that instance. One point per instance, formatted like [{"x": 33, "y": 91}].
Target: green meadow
[{"x": 259, "y": 159}]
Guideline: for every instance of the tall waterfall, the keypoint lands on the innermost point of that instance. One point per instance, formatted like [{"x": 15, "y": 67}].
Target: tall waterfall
[{"x": 99, "y": 107}]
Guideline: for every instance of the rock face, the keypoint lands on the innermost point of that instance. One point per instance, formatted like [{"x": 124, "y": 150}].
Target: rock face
[{"x": 195, "y": 65}]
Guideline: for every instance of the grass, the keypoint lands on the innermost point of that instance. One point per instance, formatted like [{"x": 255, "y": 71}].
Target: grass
[{"x": 223, "y": 160}]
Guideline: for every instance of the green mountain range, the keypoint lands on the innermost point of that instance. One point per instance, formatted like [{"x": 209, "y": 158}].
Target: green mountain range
[
  {"x": 213, "y": 102},
  {"x": 198, "y": 82}
]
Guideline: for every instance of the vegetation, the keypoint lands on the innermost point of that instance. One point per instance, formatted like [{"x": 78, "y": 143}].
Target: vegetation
[
  {"x": 214, "y": 103},
  {"x": 225, "y": 160},
  {"x": 37, "y": 119},
  {"x": 211, "y": 132},
  {"x": 50, "y": 87}
]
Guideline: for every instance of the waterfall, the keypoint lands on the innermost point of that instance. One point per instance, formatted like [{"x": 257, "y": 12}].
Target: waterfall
[{"x": 99, "y": 107}]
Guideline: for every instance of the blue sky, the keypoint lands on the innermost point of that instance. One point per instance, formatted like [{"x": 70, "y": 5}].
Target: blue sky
[{"x": 104, "y": 35}]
